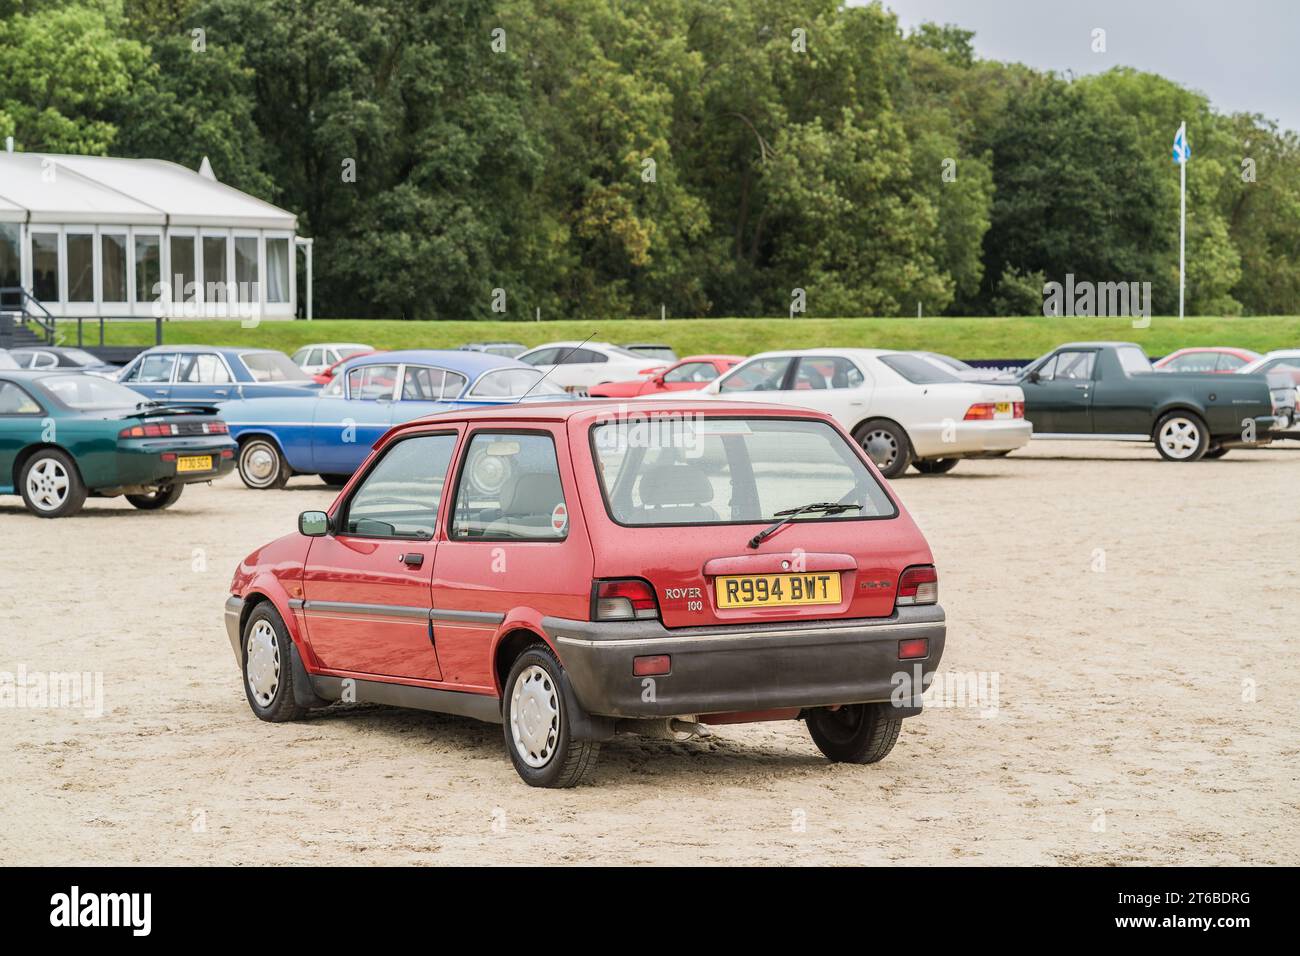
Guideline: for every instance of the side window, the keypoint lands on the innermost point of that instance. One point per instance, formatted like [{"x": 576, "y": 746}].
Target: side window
[
  {"x": 372, "y": 382},
  {"x": 203, "y": 368},
  {"x": 44, "y": 360},
  {"x": 761, "y": 375},
  {"x": 314, "y": 357},
  {"x": 817, "y": 372},
  {"x": 542, "y": 357},
  {"x": 509, "y": 488},
  {"x": 692, "y": 372},
  {"x": 399, "y": 498},
  {"x": 1076, "y": 366},
  {"x": 1047, "y": 371},
  {"x": 155, "y": 368},
  {"x": 582, "y": 357},
  {"x": 299, "y": 357},
  {"x": 1229, "y": 362},
  {"x": 422, "y": 384},
  {"x": 14, "y": 401},
  {"x": 453, "y": 384}
]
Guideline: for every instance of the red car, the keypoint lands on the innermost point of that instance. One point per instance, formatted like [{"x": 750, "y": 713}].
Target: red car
[
  {"x": 327, "y": 376},
  {"x": 694, "y": 371},
  {"x": 570, "y": 570},
  {"x": 1219, "y": 359}
]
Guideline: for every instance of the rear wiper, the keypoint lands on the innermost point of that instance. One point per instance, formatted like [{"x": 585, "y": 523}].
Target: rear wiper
[{"x": 828, "y": 507}]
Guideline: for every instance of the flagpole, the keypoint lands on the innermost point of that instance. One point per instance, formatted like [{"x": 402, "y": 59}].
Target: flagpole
[{"x": 1182, "y": 221}]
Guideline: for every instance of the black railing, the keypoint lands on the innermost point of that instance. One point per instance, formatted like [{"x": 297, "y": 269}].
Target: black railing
[{"x": 30, "y": 310}]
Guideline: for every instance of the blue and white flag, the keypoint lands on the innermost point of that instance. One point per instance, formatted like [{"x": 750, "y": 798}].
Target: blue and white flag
[{"x": 1182, "y": 149}]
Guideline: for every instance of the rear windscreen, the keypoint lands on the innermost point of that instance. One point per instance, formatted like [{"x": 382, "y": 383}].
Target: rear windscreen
[{"x": 680, "y": 469}]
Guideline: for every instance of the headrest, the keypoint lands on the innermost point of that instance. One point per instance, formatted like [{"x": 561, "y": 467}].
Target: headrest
[
  {"x": 675, "y": 486},
  {"x": 536, "y": 493}
]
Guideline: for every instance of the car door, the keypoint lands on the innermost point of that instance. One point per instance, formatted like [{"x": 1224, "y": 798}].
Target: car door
[
  {"x": 832, "y": 384},
  {"x": 1058, "y": 394},
  {"x": 21, "y": 418},
  {"x": 202, "y": 377},
  {"x": 367, "y": 586},
  {"x": 347, "y": 423},
  {"x": 509, "y": 544},
  {"x": 151, "y": 376}
]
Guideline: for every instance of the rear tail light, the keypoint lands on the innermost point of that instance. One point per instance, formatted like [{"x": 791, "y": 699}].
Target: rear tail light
[
  {"x": 625, "y": 600},
  {"x": 918, "y": 584},
  {"x": 1017, "y": 409},
  {"x": 168, "y": 429},
  {"x": 149, "y": 431},
  {"x": 982, "y": 412}
]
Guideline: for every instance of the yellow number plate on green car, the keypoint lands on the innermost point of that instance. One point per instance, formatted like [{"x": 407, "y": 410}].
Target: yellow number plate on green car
[
  {"x": 777, "y": 590},
  {"x": 194, "y": 463}
]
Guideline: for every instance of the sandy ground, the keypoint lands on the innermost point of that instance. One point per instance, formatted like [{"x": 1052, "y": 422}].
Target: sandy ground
[{"x": 1140, "y": 618}]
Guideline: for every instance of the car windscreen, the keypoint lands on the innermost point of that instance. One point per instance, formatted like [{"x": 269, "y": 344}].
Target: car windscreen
[
  {"x": 513, "y": 382},
  {"x": 675, "y": 469},
  {"x": 917, "y": 370},
  {"x": 273, "y": 367},
  {"x": 87, "y": 392}
]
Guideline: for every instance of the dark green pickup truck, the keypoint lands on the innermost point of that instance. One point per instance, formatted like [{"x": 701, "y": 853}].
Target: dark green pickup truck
[{"x": 1107, "y": 390}]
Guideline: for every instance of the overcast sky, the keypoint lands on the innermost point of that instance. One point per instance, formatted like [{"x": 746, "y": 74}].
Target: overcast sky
[{"x": 1243, "y": 54}]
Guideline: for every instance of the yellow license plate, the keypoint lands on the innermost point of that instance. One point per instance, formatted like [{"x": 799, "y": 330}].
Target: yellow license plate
[
  {"x": 777, "y": 590},
  {"x": 1002, "y": 408},
  {"x": 194, "y": 463}
]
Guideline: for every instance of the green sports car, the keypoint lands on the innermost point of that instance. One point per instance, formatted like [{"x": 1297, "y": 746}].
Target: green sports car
[{"x": 64, "y": 436}]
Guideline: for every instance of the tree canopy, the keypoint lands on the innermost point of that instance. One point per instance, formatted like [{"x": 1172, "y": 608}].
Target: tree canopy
[{"x": 704, "y": 157}]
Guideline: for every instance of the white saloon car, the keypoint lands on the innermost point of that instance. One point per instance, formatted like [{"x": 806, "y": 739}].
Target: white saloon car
[
  {"x": 316, "y": 358},
  {"x": 900, "y": 407},
  {"x": 576, "y": 366}
]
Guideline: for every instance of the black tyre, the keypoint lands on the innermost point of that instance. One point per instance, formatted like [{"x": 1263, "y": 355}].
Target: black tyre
[
  {"x": 935, "y": 466},
  {"x": 887, "y": 444},
  {"x": 855, "y": 733},
  {"x": 1216, "y": 451},
  {"x": 1181, "y": 436},
  {"x": 261, "y": 465},
  {"x": 268, "y": 670},
  {"x": 534, "y": 714},
  {"x": 159, "y": 498},
  {"x": 335, "y": 481},
  {"x": 51, "y": 485}
]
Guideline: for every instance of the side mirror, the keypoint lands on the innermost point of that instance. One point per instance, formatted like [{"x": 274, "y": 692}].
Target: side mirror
[
  {"x": 1033, "y": 377},
  {"x": 314, "y": 524}
]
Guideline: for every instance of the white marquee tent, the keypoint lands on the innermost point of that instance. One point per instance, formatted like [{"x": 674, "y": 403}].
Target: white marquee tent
[{"x": 107, "y": 237}]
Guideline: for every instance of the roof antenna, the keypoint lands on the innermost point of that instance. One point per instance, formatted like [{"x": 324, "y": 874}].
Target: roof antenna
[{"x": 552, "y": 368}]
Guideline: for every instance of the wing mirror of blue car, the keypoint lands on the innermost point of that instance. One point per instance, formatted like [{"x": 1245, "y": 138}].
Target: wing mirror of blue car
[{"x": 314, "y": 524}]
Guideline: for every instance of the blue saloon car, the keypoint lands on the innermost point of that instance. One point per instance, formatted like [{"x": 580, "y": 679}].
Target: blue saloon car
[
  {"x": 203, "y": 373},
  {"x": 330, "y": 434}
]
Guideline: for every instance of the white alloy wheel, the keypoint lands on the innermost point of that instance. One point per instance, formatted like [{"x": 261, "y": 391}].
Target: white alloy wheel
[
  {"x": 535, "y": 716},
  {"x": 47, "y": 484},
  {"x": 1179, "y": 437},
  {"x": 263, "y": 665}
]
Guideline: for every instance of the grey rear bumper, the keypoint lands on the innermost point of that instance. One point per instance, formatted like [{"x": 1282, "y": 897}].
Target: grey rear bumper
[{"x": 749, "y": 667}]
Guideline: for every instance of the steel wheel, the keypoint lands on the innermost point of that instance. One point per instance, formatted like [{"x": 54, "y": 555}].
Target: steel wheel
[
  {"x": 262, "y": 466},
  {"x": 881, "y": 446},
  {"x": 263, "y": 663},
  {"x": 1180, "y": 438},
  {"x": 48, "y": 484},
  {"x": 535, "y": 716}
]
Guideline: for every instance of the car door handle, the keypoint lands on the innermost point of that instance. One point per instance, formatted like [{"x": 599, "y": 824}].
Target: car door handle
[
  {"x": 1085, "y": 386},
  {"x": 412, "y": 560}
]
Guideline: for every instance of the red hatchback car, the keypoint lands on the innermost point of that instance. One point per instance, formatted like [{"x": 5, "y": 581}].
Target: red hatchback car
[
  {"x": 692, "y": 372},
  {"x": 577, "y": 569}
]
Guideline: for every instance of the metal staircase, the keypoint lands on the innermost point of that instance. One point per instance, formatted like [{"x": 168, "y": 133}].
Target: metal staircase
[{"x": 24, "y": 320}]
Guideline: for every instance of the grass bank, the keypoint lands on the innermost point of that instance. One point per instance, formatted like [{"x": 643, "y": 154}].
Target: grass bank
[{"x": 974, "y": 338}]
